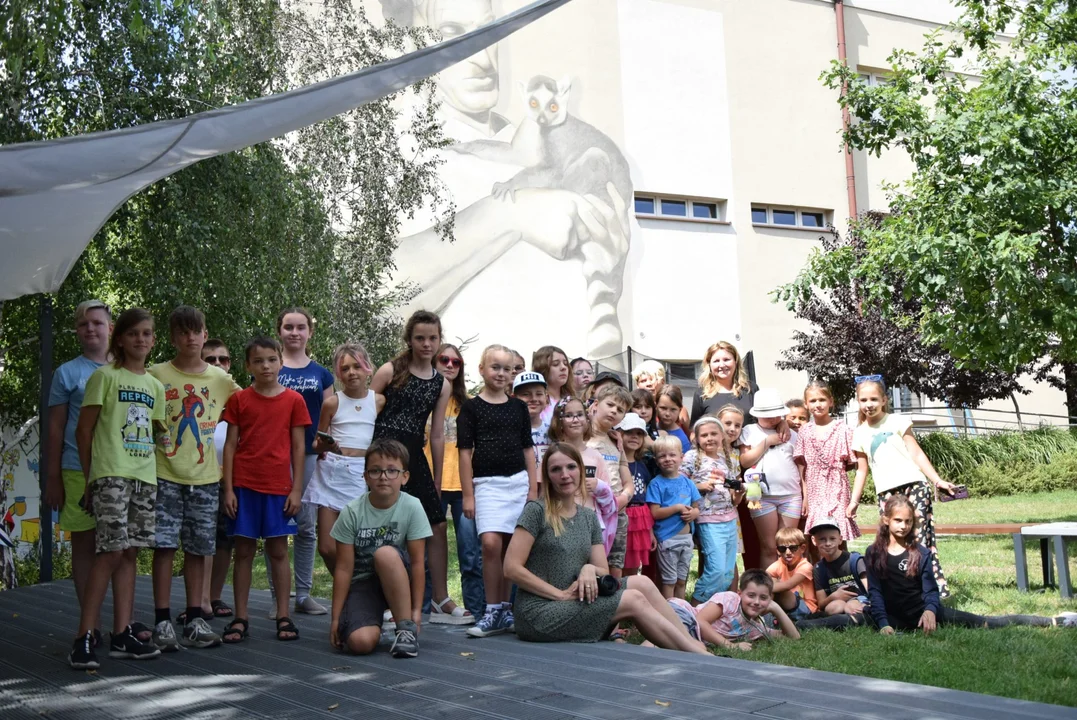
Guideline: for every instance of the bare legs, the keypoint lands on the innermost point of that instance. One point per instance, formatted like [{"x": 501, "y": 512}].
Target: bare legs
[
  {"x": 327, "y": 546},
  {"x": 396, "y": 585},
  {"x": 644, "y": 605},
  {"x": 437, "y": 553},
  {"x": 118, "y": 566},
  {"x": 83, "y": 550},
  {"x": 498, "y": 588}
]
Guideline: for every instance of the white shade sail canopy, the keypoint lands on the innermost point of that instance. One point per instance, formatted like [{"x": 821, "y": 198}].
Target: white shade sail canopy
[{"x": 55, "y": 195}]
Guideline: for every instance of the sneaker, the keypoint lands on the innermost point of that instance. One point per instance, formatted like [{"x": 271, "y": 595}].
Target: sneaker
[
  {"x": 1067, "y": 619},
  {"x": 127, "y": 646},
  {"x": 198, "y": 634},
  {"x": 82, "y": 656},
  {"x": 310, "y": 606},
  {"x": 507, "y": 621},
  {"x": 489, "y": 624},
  {"x": 405, "y": 645},
  {"x": 96, "y": 638},
  {"x": 164, "y": 637}
]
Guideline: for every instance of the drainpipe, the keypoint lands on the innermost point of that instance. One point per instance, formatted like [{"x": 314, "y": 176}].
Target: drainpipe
[{"x": 850, "y": 174}]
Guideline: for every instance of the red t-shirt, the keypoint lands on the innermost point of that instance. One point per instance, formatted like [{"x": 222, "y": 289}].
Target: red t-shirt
[{"x": 263, "y": 460}]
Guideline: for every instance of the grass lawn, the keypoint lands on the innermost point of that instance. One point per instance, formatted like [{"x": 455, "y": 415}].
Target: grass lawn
[{"x": 1026, "y": 663}]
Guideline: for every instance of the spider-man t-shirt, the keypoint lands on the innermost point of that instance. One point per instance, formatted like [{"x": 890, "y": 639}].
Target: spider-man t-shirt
[{"x": 123, "y": 435}]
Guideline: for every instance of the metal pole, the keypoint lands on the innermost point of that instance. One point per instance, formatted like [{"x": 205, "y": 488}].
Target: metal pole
[
  {"x": 629, "y": 368},
  {"x": 45, "y": 513}
]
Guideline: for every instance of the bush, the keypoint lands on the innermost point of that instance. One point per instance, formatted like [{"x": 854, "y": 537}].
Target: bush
[{"x": 1007, "y": 463}]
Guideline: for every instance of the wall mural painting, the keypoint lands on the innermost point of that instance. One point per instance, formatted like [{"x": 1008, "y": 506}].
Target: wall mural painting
[{"x": 552, "y": 181}]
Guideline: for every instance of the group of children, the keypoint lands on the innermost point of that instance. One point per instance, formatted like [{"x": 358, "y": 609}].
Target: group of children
[{"x": 177, "y": 455}]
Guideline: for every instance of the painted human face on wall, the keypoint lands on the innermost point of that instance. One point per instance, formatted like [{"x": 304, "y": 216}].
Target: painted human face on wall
[{"x": 470, "y": 86}]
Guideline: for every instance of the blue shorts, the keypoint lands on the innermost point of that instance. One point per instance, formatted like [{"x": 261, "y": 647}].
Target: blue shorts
[
  {"x": 801, "y": 611},
  {"x": 260, "y": 516}
]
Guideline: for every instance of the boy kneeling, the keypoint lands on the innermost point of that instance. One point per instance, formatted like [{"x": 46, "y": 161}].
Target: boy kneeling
[{"x": 381, "y": 550}]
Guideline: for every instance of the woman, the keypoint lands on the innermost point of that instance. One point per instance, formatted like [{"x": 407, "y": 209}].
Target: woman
[
  {"x": 450, "y": 363},
  {"x": 556, "y": 558}
]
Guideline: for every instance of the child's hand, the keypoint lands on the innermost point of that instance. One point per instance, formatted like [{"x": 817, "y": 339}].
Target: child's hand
[
  {"x": 804, "y": 508},
  {"x": 654, "y": 542},
  {"x": 843, "y": 594},
  {"x": 334, "y": 636},
  {"x": 469, "y": 507},
  {"x": 591, "y": 484},
  {"x": 886, "y": 630},
  {"x": 927, "y": 622},
  {"x": 292, "y": 503},
  {"x": 946, "y": 487},
  {"x": 850, "y": 512},
  {"x": 705, "y": 487},
  {"x": 615, "y": 436},
  {"x": 783, "y": 432},
  {"x": 230, "y": 504}
]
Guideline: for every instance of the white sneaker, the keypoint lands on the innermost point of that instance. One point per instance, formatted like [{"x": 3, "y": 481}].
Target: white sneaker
[
  {"x": 198, "y": 634},
  {"x": 164, "y": 637}
]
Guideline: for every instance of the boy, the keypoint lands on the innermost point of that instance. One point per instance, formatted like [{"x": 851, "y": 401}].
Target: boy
[
  {"x": 840, "y": 578},
  {"x": 733, "y": 620},
  {"x": 792, "y": 574},
  {"x": 674, "y": 502},
  {"x": 530, "y": 387},
  {"x": 188, "y": 478},
  {"x": 797, "y": 416},
  {"x": 611, "y": 403},
  {"x": 66, "y": 482},
  {"x": 381, "y": 545},
  {"x": 265, "y": 449}
]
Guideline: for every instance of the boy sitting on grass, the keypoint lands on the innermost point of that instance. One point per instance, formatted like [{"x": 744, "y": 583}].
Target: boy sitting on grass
[
  {"x": 734, "y": 620},
  {"x": 381, "y": 551},
  {"x": 792, "y": 574},
  {"x": 840, "y": 577}
]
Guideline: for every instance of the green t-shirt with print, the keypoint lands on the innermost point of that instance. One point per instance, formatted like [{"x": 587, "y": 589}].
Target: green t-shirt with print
[
  {"x": 369, "y": 528},
  {"x": 123, "y": 444}
]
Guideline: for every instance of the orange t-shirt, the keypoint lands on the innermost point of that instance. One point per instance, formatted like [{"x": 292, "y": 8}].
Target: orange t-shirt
[{"x": 781, "y": 572}]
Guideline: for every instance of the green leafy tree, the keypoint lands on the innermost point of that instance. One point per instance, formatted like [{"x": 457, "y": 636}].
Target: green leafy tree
[{"x": 983, "y": 233}]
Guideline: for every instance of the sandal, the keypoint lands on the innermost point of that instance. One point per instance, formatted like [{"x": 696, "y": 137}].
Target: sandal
[
  {"x": 619, "y": 636},
  {"x": 458, "y": 616},
  {"x": 236, "y": 631},
  {"x": 285, "y": 625},
  {"x": 220, "y": 609}
]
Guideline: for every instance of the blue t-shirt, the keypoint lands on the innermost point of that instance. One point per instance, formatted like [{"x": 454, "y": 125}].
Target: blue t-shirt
[
  {"x": 686, "y": 444},
  {"x": 310, "y": 382},
  {"x": 69, "y": 386},
  {"x": 664, "y": 492}
]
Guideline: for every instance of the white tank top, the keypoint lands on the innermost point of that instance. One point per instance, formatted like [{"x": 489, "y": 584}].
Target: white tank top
[{"x": 353, "y": 423}]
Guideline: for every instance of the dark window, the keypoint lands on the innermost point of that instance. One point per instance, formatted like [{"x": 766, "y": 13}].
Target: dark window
[
  {"x": 759, "y": 216},
  {"x": 784, "y": 217},
  {"x": 675, "y": 207},
  {"x": 644, "y": 206},
  {"x": 705, "y": 210},
  {"x": 811, "y": 219}
]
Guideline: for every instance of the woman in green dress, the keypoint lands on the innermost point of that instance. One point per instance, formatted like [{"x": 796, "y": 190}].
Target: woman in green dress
[{"x": 556, "y": 556}]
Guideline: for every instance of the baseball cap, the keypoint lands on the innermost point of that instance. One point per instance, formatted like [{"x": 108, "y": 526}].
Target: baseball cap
[
  {"x": 608, "y": 376},
  {"x": 827, "y": 523},
  {"x": 528, "y": 378},
  {"x": 632, "y": 421}
]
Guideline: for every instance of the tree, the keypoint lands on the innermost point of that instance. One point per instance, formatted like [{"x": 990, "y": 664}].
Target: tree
[
  {"x": 852, "y": 337},
  {"x": 983, "y": 233}
]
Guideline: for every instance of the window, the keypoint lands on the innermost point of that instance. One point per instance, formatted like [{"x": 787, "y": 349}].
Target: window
[
  {"x": 790, "y": 217},
  {"x": 875, "y": 78},
  {"x": 680, "y": 208}
]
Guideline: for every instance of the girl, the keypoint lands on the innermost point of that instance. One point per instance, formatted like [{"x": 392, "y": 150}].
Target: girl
[
  {"x": 450, "y": 363},
  {"x": 764, "y": 449},
  {"x": 901, "y": 581},
  {"x": 583, "y": 372},
  {"x": 707, "y": 464},
  {"x": 641, "y": 540},
  {"x": 414, "y": 389},
  {"x": 348, "y": 418},
  {"x": 643, "y": 404},
  {"x": 552, "y": 363},
  {"x": 295, "y": 326},
  {"x": 669, "y": 404},
  {"x": 570, "y": 425},
  {"x": 885, "y": 444},
  {"x": 498, "y": 475},
  {"x": 116, "y": 450},
  {"x": 823, "y": 454},
  {"x": 556, "y": 559}
]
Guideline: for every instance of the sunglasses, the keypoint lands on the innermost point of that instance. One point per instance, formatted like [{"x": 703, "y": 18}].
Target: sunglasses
[
  {"x": 450, "y": 362},
  {"x": 214, "y": 359},
  {"x": 867, "y": 378},
  {"x": 790, "y": 548}
]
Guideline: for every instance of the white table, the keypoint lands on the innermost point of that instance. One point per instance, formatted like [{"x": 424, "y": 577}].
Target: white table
[{"x": 1048, "y": 534}]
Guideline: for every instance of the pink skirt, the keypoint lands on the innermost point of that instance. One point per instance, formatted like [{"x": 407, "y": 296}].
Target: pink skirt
[{"x": 638, "y": 548}]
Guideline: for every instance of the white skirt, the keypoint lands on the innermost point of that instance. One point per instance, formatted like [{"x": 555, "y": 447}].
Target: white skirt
[
  {"x": 499, "y": 500},
  {"x": 337, "y": 480}
]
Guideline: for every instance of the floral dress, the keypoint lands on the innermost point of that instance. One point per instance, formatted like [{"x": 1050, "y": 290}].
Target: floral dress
[{"x": 826, "y": 453}]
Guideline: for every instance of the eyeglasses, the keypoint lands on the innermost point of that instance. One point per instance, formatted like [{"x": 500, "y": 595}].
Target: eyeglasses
[
  {"x": 573, "y": 416},
  {"x": 215, "y": 359},
  {"x": 517, "y": 369},
  {"x": 450, "y": 362},
  {"x": 390, "y": 473},
  {"x": 867, "y": 378},
  {"x": 790, "y": 548}
]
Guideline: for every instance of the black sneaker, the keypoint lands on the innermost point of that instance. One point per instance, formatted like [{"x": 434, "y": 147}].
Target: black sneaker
[
  {"x": 82, "y": 656},
  {"x": 128, "y": 647},
  {"x": 406, "y": 644},
  {"x": 96, "y": 638}
]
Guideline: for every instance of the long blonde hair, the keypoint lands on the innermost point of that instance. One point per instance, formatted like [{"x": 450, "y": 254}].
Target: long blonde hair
[
  {"x": 861, "y": 418},
  {"x": 551, "y": 504},
  {"x": 709, "y": 385}
]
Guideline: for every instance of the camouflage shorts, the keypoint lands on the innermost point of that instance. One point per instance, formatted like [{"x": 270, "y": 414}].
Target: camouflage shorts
[
  {"x": 124, "y": 512},
  {"x": 187, "y": 516}
]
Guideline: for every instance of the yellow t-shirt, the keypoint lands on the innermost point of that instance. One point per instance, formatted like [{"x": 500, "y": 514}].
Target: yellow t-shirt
[
  {"x": 450, "y": 467},
  {"x": 123, "y": 435},
  {"x": 193, "y": 405}
]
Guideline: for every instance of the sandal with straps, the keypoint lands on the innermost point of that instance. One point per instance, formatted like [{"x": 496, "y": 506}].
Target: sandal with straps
[
  {"x": 220, "y": 609},
  {"x": 458, "y": 616},
  {"x": 236, "y": 631},
  {"x": 285, "y": 625}
]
